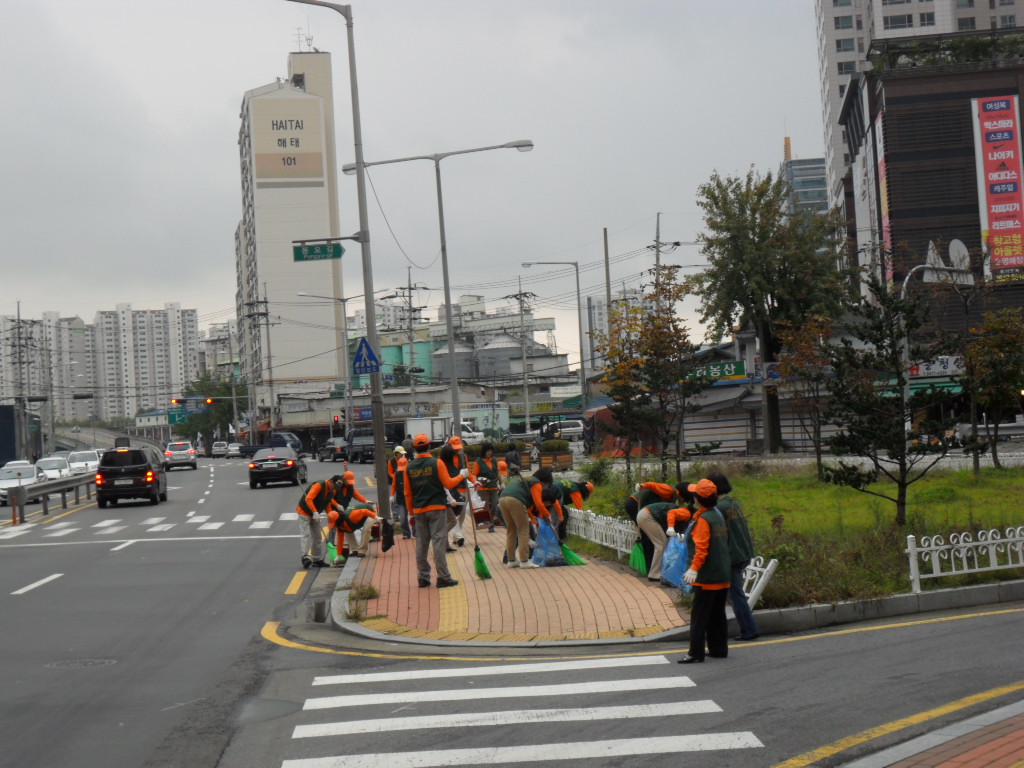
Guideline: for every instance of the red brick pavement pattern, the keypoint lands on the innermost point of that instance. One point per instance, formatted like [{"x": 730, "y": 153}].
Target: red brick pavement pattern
[
  {"x": 998, "y": 746},
  {"x": 597, "y": 600}
]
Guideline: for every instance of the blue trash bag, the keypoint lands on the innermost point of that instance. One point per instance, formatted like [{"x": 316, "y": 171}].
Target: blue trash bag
[
  {"x": 673, "y": 562},
  {"x": 548, "y": 551}
]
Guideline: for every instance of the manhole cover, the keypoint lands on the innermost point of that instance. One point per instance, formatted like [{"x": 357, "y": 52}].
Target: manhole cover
[{"x": 80, "y": 663}]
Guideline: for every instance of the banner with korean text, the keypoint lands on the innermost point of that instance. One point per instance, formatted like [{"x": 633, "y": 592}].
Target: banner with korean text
[{"x": 998, "y": 162}]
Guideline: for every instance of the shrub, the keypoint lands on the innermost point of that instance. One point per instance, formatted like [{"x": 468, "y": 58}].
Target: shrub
[{"x": 555, "y": 446}]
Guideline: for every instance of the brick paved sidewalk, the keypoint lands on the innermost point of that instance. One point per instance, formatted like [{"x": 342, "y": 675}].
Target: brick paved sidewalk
[
  {"x": 1000, "y": 745},
  {"x": 599, "y": 600}
]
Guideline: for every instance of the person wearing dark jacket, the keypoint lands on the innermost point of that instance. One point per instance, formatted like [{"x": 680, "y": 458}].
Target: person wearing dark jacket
[
  {"x": 741, "y": 552},
  {"x": 522, "y": 499},
  {"x": 709, "y": 572},
  {"x": 488, "y": 482},
  {"x": 654, "y": 520},
  {"x": 648, "y": 493},
  {"x": 317, "y": 498},
  {"x": 350, "y": 520},
  {"x": 396, "y": 468}
]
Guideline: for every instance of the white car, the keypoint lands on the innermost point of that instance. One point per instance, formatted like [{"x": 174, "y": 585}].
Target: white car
[
  {"x": 84, "y": 462},
  {"x": 234, "y": 451},
  {"x": 12, "y": 477},
  {"x": 18, "y": 463},
  {"x": 54, "y": 467},
  {"x": 219, "y": 450}
]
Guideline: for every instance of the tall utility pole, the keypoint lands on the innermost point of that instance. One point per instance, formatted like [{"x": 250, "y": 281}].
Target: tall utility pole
[
  {"x": 264, "y": 313},
  {"x": 522, "y": 297},
  {"x": 405, "y": 294}
]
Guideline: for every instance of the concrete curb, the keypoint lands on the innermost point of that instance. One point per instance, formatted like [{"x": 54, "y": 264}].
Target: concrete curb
[{"x": 771, "y": 621}]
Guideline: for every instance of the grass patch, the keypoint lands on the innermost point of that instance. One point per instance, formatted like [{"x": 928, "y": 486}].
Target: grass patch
[
  {"x": 835, "y": 543},
  {"x": 364, "y": 592},
  {"x": 591, "y": 549}
]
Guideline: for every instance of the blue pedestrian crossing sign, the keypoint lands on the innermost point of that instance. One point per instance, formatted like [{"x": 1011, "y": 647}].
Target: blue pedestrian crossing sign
[{"x": 365, "y": 361}]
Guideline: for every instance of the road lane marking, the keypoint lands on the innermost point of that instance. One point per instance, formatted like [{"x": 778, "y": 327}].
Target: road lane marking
[
  {"x": 153, "y": 520},
  {"x": 514, "y": 717},
  {"x": 122, "y": 545},
  {"x": 513, "y": 692},
  {"x": 111, "y": 531},
  {"x": 160, "y": 528},
  {"x": 61, "y": 532},
  {"x": 199, "y": 519},
  {"x": 105, "y": 523},
  {"x": 210, "y": 526},
  {"x": 39, "y": 583},
  {"x": 504, "y": 669},
  {"x": 264, "y": 524},
  {"x": 537, "y": 753},
  {"x": 809, "y": 758},
  {"x": 296, "y": 582},
  {"x": 246, "y": 518}
]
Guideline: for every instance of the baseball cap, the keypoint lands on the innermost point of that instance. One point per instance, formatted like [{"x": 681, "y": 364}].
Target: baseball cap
[
  {"x": 421, "y": 440},
  {"x": 455, "y": 442},
  {"x": 350, "y": 477},
  {"x": 704, "y": 488},
  {"x": 399, "y": 450}
]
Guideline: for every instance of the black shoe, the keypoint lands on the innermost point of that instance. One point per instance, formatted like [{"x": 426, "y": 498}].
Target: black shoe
[
  {"x": 449, "y": 549},
  {"x": 357, "y": 554},
  {"x": 460, "y": 542},
  {"x": 319, "y": 564},
  {"x": 743, "y": 639},
  {"x": 424, "y": 583},
  {"x": 690, "y": 660},
  {"x": 650, "y": 579},
  {"x": 442, "y": 583},
  {"x": 306, "y": 562}
]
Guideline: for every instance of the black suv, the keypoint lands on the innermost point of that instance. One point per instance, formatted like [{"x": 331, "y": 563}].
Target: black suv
[
  {"x": 361, "y": 446},
  {"x": 131, "y": 473},
  {"x": 334, "y": 449}
]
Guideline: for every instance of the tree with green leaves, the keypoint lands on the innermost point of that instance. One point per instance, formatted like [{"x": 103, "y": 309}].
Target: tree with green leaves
[
  {"x": 213, "y": 417},
  {"x": 868, "y": 398},
  {"x": 767, "y": 263},
  {"x": 995, "y": 368}
]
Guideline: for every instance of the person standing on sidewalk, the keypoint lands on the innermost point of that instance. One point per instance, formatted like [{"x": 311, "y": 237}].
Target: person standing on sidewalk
[
  {"x": 453, "y": 456},
  {"x": 396, "y": 468},
  {"x": 488, "y": 479},
  {"x": 426, "y": 480},
  {"x": 741, "y": 552},
  {"x": 520, "y": 495},
  {"x": 709, "y": 572},
  {"x": 317, "y": 498}
]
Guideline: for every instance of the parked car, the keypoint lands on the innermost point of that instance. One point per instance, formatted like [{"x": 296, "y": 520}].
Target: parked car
[
  {"x": 219, "y": 450},
  {"x": 18, "y": 463},
  {"x": 131, "y": 473},
  {"x": 180, "y": 455},
  {"x": 84, "y": 462},
  {"x": 54, "y": 467},
  {"x": 334, "y": 449},
  {"x": 234, "y": 451},
  {"x": 12, "y": 477},
  {"x": 569, "y": 429},
  {"x": 276, "y": 465}
]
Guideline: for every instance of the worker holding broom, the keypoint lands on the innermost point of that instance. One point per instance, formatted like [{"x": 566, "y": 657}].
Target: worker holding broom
[{"x": 350, "y": 520}]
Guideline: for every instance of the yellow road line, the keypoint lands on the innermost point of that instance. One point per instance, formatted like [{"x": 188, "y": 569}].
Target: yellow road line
[
  {"x": 296, "y": 582},
  {"x": 808, "y": 758},
  {"x": 51, "y": 518}
]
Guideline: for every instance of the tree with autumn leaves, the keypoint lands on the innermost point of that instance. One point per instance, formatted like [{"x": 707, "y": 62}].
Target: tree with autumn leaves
[{"x": 651, "y": 371}]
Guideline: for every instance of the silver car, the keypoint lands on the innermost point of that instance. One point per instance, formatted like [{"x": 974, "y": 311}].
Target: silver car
[
  {"x": 54, "y": 467},
  {"x": 180, "y": 455},
  {"x": 11, "y": 477},
  {"x": 84, "y": 462}
]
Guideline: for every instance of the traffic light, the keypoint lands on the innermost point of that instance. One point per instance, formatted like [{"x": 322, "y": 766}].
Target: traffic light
[
  {"x": 211, "y": 400},
  {"x": 337, "y": 419},
  {"x": 175, "y": 401}
]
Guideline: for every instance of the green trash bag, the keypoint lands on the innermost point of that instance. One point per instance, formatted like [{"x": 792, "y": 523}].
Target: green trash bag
[{"x": 637, "y": 560}]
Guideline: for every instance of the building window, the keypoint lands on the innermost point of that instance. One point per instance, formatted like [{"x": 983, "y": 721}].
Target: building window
[
  {"x": 964, "y": 3},
  {"x": 846, "y": 67},
  {"x": 1007, "y": 21},
  {"x": 965, "y": 25},
  {"x": 1006, "y": 2},
  {"x": 927, "y": 19},
  {"x": 840, "y": 3},
  {"x": 844, "y": 45},
  {"x": 842, "y": 91},
  {"x": 901, "y": 21},
  {"x": 896, "y": 2},
  {"x": 844, "y": 22}
]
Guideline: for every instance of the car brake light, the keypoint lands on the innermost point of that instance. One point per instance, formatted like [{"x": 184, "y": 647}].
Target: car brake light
[
  {"x": 290, "y": 462},
  {"x": 252, "y": 466},
  {"x": 149, "y": 476},
  {"x": 167, "y": 453},
  {"x": 99, "y": 479}
]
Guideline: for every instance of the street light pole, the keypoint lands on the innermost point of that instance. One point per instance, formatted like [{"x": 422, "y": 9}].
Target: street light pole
[
  {"x": 523, "y": 145},
  {"x": 376, "y": 381},
  {"x": 579, "y": 325}
]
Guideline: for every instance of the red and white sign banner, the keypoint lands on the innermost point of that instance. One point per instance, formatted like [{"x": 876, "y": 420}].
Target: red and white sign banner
[{"x": 998, "y": 162}]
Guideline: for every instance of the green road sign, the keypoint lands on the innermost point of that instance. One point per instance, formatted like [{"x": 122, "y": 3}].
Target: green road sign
[
  {"x": 728, "y": 369},
  {"x": 317, "y": 252}
]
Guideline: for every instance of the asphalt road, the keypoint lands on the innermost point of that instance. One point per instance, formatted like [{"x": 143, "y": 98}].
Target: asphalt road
[{"x": 116, "y": 621}]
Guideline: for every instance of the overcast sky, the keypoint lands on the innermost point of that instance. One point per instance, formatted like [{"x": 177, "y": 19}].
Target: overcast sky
[{"x": 120, "y": 128}]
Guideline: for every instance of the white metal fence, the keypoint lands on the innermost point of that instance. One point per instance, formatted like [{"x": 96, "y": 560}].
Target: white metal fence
[
  {"x": 993, "y": 551},
  {"x": 620, "y": 535}
]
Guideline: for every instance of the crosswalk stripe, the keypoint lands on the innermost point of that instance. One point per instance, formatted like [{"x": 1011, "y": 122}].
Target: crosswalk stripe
[
  {"x": 153, "y": 521},
  {"x": 105, "y": 523},
  {"x": 199, "y": 519},
  {"x": 506, "y": 669},
  {"x": 540, "y": 753},
  {"x": 526, "y": 691},
  {"x": 111, "y": 530},
  {"x": 287, "y": 516},
  {"x": 679, "y": 708},
  {"x": 247, "y": 518},
  {"x": 262, "y": 524},
  {"x": 61, "y": 532},
  {"x": 159, "y": 528},
  {"x": 14, "y": 533},
  {"x": 210, "y": 526}
]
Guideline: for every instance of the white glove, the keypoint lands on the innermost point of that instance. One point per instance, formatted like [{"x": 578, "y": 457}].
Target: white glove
[
  {"x": 670, "y": 531},
  {"x": 639, "y": 487},
  {"x": 690, "y": 576},
  {"x": 464, "y": 472},
  {"x": 392, "y": 500}
]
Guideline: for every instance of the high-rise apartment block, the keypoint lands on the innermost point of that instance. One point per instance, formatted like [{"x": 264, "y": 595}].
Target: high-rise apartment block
[{"x": 846, "y": 31}]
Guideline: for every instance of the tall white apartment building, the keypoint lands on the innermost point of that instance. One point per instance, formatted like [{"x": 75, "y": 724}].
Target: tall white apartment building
[
  {"x": 597, "y": 325},
  {"x": 143, "y": 358},
  {"x": 288, "y": 343},
  {"x": 846, "y": 29}
]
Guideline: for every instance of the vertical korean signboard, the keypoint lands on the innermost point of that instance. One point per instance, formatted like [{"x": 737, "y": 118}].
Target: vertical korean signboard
[{"x": 997, "y": 159}]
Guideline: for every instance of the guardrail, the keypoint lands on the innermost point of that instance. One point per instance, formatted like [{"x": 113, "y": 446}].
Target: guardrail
[
  {"x": 993, "y": 551},
  {"x": 620, "y": 535},
  {"x": 65, "y": 485}
]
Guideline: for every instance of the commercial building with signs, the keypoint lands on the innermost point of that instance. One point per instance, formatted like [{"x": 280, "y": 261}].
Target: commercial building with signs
[{"x": 288, "y": 343}]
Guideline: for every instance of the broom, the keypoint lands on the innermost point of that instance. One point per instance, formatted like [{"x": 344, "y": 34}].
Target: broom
[
  {"x": 478, "y": 558},
  {"x": 571, "y": 558}
]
